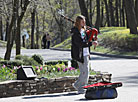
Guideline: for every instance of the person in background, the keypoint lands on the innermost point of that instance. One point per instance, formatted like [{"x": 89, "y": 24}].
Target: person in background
[
  {"x": 48, "y": 38},
  {"x": 44, "y": 40},
  {"x": 80, "y": 52}
]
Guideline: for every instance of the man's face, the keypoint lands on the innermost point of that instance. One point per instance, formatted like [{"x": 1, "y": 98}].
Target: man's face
[{"x": 82, "y": 23}]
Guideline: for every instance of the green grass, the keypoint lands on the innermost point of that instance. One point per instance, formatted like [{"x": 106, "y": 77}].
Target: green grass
[
  {"x": 65, "y": 44},
  {"x": 122, "y": 32}
]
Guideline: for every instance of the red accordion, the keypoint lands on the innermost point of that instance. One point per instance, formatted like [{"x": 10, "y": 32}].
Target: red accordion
[{"x": 92, "y": 34}]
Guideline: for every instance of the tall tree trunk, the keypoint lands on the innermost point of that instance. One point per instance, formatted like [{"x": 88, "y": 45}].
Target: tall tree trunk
[
  {"x": 97, "y": 24},
  {"x": 120, "y": 13},
  {"x": 107, "y": 13},
  {"x": 1, "y": 28},
  {"x": 7, "y": 27},
  {"x": 37, "y": 31},
  {"x": 131, "y": 17},
  {"x": 136, "y": 10},
  {"x": 102, "y": 16},
  {"x": 112, "y": 12},
  {"x": 19, "y": 20},
  {"x": 18, "y": 38},
  {"x": 84, "y": 11},
  {"x": 117, "y": 14},
  {"x": 123, "y": 13},
  {"x": 33, "y": 27},
  {"x": 91, "y": 12},
  {"x": 10, "y": 36}
]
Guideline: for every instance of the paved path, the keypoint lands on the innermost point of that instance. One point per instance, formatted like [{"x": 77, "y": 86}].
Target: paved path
[
  {"x": 46, "y": 53},
  {"x": 123, "y": 70}
]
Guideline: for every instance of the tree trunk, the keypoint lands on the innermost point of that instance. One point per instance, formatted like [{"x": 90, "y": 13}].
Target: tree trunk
[
  {"x": 37, "y": 31},
  {"x": 123, "y": 13},
  {"x": 112, "y": 13},
  {"x": 117, "y": 14},
  {"x": 84, "y": 11},
  {"x": 1, "y": 28},
  {"x": 102, "y": 16},
  {"x": 33, "y": 27},
  {"x": 131, "y": 17},
  {"x": 107, "y": 13},
  {"x": 97, "y": 24},
  {"x": 11, "y": 36},
  {"x": 91, "y": 12},
  {"x": 18, "y": 38},
  {"x": 7, "y": 27},
  {"x": 120, "y": 13},
  {"x": 19, "y": 20},
  {"x": 136, "y": 10}
]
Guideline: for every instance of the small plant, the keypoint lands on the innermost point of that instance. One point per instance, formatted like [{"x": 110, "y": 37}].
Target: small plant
[
  {"x": 11, "y": 63},
  {"x": 38, "y": 58},
  {"x": 26, "y": 60}
]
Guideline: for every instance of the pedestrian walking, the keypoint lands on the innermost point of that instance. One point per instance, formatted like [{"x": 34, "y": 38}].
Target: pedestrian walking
[
  {"x": 44, "y": 41},
  {"x": 48, "y": 38}
]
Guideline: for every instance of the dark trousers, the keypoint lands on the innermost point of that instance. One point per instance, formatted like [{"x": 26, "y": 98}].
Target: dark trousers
[
  {"x": 48, "y": 44},
  {"x": 44, "y": 44}
]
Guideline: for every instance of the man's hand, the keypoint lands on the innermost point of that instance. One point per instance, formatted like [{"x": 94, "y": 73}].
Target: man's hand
[{"x": 95, "y": 43}]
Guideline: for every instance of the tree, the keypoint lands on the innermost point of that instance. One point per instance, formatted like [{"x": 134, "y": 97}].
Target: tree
[
  {"x": 13, "y": 29},
  {"x": 33, "y": 26},
  {"x": 1, "y": 27},
  {"x": 131, "y": 17},
  {"x": 37, "y": 31},
  {"x": 1, "y": 23},
  {"x": 123, "y": 13},
  {"x": 107, "y": 13},
  {"x": 136, "y": 10},
  {"x": 24, "y": 4},
  {"x": 10, "y": 34},
  {"x": 84, "y": 11},
  {"x": 112, "y": 12},
  {"x": 117, "y": 13},
  {"x": 120, "y": 12},
  {"x": 97, "y": 24}
]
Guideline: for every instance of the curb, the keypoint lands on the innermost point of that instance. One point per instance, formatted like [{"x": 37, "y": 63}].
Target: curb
[{"x": 101, "y": 54}]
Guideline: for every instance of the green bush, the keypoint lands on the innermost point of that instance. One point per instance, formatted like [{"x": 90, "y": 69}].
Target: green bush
[
  {"x": 26, "y": 60},
  {"x": 38, "y": 58},
  {"x": 120, "y": 40},
  {"x": 56, "y": 62},
  {"x": 11, "y": 63}
]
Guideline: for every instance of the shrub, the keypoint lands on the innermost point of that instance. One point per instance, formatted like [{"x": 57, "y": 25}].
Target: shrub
[
  {"x": 56, "y": 62},
  {"x": 11, "y": 63},
  {"x": 26, "y": 60},
  {"x": 38, "y": 58},
  {"x": 120, "y": 40}
]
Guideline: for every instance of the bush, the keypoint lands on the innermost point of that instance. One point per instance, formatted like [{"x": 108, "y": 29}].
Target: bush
[
  {"x": 11, "y": 63},
  {"x": 56, "y": 62},
  {"x": 26, "y": 60},
  {"x": 120, "y": 40},
  {"x": 38, "y": 58}
]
